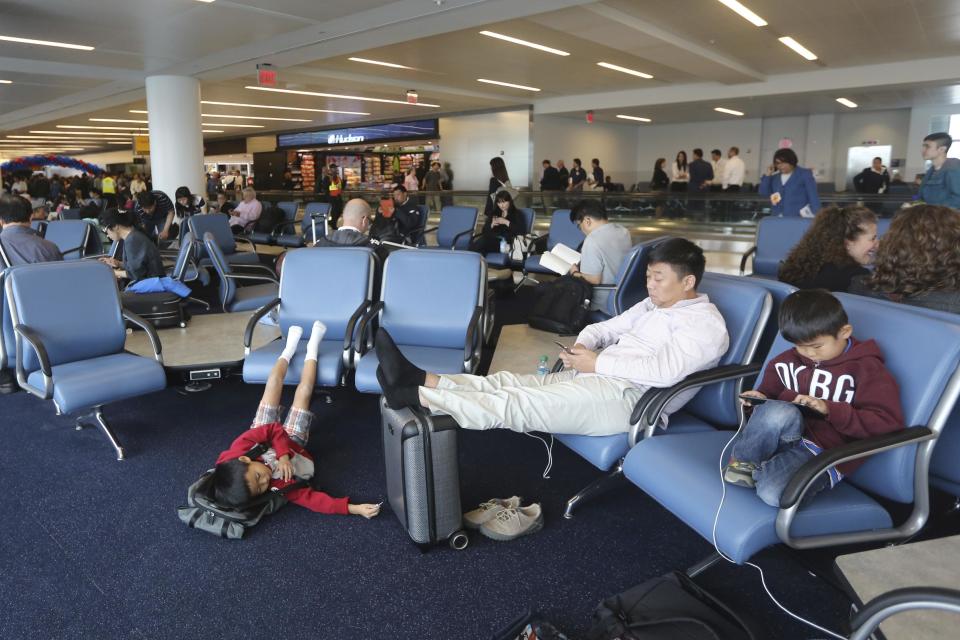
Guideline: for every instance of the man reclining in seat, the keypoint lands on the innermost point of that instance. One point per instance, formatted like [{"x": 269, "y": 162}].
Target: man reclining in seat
[{"x": 656, "y": 343}]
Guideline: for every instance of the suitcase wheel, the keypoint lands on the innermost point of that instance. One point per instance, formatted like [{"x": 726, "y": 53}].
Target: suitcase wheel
[{"x": 459, "y": 540}]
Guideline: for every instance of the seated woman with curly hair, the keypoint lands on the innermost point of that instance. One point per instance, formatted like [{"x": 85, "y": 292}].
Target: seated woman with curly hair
[
  {"x": 839, "y": 245},
  {"x": 918, "y": 261}
]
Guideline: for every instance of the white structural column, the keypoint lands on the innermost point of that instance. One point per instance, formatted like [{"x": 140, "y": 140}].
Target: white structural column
[{"x": 176, "y": 139}]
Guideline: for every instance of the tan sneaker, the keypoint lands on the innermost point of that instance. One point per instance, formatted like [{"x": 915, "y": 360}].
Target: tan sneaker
[
  {"x": 510, "y": 524},
  {"x": 488, "y": 510}
]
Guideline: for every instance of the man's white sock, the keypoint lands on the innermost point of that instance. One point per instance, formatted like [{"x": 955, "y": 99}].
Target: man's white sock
[
  {"x": 316, "y": 337},
  {"x": 293, "y": 339}
]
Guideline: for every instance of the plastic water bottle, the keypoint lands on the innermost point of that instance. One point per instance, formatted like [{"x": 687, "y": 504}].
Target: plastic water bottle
[
  {"x": 504, "y": 246},
  {"x": 543, "y": 368}
]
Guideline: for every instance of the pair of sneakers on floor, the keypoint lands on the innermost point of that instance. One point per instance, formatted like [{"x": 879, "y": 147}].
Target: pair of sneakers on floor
[{"x": 504, "y": 519}]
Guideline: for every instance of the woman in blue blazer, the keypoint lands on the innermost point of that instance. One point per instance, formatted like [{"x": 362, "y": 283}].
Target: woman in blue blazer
[{"x": 792, "y": 189}]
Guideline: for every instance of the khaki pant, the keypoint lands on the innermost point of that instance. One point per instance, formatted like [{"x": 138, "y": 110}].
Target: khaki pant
[{"x": 562, "y": 402}]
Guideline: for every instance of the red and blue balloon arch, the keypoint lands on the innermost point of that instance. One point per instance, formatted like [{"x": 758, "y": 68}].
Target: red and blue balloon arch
[{"x": 34, "y": 163}]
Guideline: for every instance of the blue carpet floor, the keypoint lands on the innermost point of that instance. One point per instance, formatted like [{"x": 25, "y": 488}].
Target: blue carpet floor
[{"x": 92, "y": 547}]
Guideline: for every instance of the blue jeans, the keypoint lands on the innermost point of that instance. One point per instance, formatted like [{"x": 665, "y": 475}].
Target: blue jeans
[{"x": 771, "y": 440}]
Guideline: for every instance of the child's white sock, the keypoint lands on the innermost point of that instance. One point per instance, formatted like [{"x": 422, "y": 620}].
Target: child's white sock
[
  {"x": 316, "y": 336},
  {"x": 293, "y": 339}
]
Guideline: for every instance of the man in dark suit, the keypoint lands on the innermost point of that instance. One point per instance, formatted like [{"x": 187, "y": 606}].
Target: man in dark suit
[
  {"x": 700, "y": 172},
  {"x": 551, "y": 178}
]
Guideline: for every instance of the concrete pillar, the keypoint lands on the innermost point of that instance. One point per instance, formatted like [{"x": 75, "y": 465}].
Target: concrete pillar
[{"x": 176, "y": 139}]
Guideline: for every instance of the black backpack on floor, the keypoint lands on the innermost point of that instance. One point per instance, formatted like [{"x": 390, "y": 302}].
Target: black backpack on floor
[
  {"x": 561, "y": 306},
  {"x": 667, "y": 608},
  {"x": 203, "y": 512},
  {"x": 269, "y": 218}
]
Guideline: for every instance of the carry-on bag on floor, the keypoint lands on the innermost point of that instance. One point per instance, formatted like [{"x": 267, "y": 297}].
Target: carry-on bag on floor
[
  {"x": 423, "y": 475},
  {"x": 163, "y": 309}
]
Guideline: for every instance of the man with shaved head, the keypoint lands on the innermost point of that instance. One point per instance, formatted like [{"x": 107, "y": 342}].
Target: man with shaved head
[{"x": 356, "y": 224}]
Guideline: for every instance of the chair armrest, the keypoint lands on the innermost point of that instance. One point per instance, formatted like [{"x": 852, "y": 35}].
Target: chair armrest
[
  {"x": 73, "y": 250},
  {"x": 283, "y": 225},
  {"x": 365, "y": 342},
  {"x": 605, "y": 287},
  {"x": 866, "y": 620},
  {"x": 260, "y": 267},
  {"x": 243, "y": 276},
  {"x": 743, "y": 259},
  {"x": 426, "y": 231},
  {"x": 456, "y": 238},
  {"x": 352, "y": 322},
  {"x": 806, "y": 474},
  {"x": 33, "y": 338},
  {"x": 651, "y": 415},
  {"x": 149, "y": 330},
  {"x": 471, "y": 334},
  {"x": 252, "y": 323}
]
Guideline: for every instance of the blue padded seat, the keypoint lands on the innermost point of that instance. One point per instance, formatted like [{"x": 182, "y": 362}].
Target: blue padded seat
[
  {"x": 70, "y": 236},
  {"x": 746, "y": 525},
  {"x": 502, "y": 260},
  {"x": 333, "y": 301},
  {"x": 562, "y": 231},
  {"x": 7, "y": 338},
  {"x": 682, "y": 471},
  {"x": 232, "y": 297},
  {"x": 745, "y": 307},
  {"x": 630, "y": 286},
  {"x": 289, "y": 209},
  {"x": 431, "y": 303},
  {"x": 219, "y": 225},
  {"x": 775, "y": 238},
  {"x": 79, "y": 385},
  {"x": 314, "y": 218},
  {"x": 456, "y": 227}
]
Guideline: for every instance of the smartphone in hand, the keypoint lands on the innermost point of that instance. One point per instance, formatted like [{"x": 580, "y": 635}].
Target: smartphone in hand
[
  {"x": 752, "y": 400},
  {"x": 562, "y": 347}
]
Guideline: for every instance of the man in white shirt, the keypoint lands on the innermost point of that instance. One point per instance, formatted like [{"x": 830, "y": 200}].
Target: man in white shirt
[
  {"x": 733, "y": 171},
  {"x": 656, "y": 343},
  {"x": 718, "y": 163}
]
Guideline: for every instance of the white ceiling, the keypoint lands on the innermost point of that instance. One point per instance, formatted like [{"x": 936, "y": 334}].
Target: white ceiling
[{"x": 694, "y": 49}]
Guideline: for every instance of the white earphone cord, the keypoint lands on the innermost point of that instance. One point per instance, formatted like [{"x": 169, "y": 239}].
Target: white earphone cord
[{"x": 763, "y": 579}]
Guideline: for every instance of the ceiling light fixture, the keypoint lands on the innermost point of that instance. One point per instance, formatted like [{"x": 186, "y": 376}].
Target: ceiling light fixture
[
  {"x": 86, "y": 133},
  {"x": 270, "y": 106},
  {"x": 614, "y": 67},
  {"x": 730, "y": 111},
  {"x": 47, "y": 43},
  {"x": 83, "y": 126},
  {"x": 229, "y": 124},
  {"x": 526, "y": 43},
  {"x": 508, "y": 84},
  {"x": 211, "y": 131},
  {"x": 799, "y": 48},
  {"x": 6, "y": 81},
  {"x": 116, "y": 120},
  {"x": 637, "y": 118},
  {"x": 337, "y": 95},
  {"x": 745, "y": 13},
  {"x": 847, "y": 103},
  {"x": 220, "y": 115},
  {"x": 641, "y": 74},
  {"x": 382, "y": 64}
]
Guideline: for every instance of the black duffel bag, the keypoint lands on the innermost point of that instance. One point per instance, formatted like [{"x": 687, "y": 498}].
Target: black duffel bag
[
  {"x": 561, "y": 306},
  {"x": 667, "y": 608}
]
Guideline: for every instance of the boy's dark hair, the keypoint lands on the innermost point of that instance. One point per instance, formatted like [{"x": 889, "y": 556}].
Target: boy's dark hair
[
  {"x": 14, "y": 209},
  {"x": 809, "y": 313},
  {"x": 146, "y": 199},
  {"x": 230, "y": 483},
  {"x": 942, "y": 138},
  {"x": 400, "y": 188},
  {"x": 683, "y": 256},
  {"x": 585, "y": 208}
]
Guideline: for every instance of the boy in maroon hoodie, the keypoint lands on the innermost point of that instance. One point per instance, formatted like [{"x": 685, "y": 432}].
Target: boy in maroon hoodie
[
  {"x": 828, "y": 390},
  {"x": 237, "y": 479}
]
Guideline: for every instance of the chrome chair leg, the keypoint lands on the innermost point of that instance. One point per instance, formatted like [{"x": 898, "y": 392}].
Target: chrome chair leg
[
  {"x": 601, "y": 485},
  {"x": 205, "y": 304},
  {"x": 703, "y": 565},
  {"x": 101, "y": 422}
]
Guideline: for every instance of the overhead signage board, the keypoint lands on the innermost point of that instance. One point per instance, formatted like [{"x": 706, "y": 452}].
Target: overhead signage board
[{"x": 413, "y": 130}]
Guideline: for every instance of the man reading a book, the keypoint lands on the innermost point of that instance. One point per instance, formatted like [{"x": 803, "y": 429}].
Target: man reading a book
[
  {"x": 656, "y": 343},
  {"x": 604, "y": 249}
]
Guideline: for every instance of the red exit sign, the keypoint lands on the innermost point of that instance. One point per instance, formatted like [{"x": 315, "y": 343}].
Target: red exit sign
[{"x": 266, "y": 76}]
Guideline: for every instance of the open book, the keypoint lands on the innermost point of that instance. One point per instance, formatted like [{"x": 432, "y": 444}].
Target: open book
[{"x": 560, "y": 259}]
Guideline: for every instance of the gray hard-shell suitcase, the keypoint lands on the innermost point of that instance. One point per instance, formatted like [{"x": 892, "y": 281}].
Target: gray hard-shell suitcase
[{"x": 423, "y": 475}]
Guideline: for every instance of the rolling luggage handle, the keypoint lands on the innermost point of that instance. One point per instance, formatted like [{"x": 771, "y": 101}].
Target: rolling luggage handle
[{"x": 459, "y": 539}]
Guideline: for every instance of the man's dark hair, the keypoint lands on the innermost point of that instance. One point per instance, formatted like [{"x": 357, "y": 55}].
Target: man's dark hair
[
  {"x": 577, "y": 162},
  {"x": 716, "y": 152},
  {"x": 14, "y": 209},
  {"x": 400, "y": 188},
  {"x": 585, "y": 208},
  {"x": 546, "y": 162},
  {"x": 942, "y": 138},
  {"x": 684, "y": 257},
  {"x": 736, "y": 150},
  {"x": 810, "y": 313},
  {"x": 230, "y": 483},
  {"x": 786, "y": 155},
  {"x": 595, "y": 161},
  {"x": 698, "y": 153},
  {"x": 116, "y": 217},
  {"x": 146, "y": 199},
  {"x": 880, "y": 159},
  {"x": 332, "y": 166}
]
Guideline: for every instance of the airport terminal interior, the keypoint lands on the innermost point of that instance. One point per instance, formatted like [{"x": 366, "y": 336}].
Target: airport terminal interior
[{"x": 555, "y": 319}]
